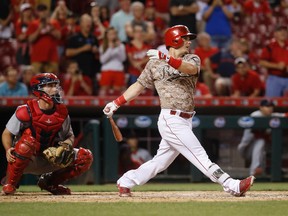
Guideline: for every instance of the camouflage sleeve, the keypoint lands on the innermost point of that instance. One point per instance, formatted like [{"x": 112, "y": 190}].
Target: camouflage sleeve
[
  {"x": 193, "y": 59},
  {"x": 146, "y": 77}
]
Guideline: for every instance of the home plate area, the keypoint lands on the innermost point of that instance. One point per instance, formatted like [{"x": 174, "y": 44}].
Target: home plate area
[{"x": 172, "y": 196}]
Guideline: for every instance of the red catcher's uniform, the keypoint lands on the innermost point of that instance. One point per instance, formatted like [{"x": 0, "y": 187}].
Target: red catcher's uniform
[
  {"x": 36, "y": 130},
  {"x": 44, "y": 126}
]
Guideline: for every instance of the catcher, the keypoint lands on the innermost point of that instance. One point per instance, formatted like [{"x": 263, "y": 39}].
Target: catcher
[{"x": 43, "y": 141}]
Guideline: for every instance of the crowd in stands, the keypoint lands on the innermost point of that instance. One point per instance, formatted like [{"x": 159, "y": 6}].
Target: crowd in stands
[{"x": 98, "y": 47}]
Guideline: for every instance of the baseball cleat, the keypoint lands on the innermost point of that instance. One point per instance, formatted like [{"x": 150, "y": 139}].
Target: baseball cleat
[
  {"x": 124, "y": 192},
  {"x": 54, "y": 189},
  {"x": 245, "y": 185},
  {"x": 8, "y": 189}
]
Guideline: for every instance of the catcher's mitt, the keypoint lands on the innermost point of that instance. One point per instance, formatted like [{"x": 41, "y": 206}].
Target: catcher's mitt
[{"x": 61, "y": 156}]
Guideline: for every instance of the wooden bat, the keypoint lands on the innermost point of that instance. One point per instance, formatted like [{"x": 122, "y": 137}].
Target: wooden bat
[{"x": 116, "y": 131}]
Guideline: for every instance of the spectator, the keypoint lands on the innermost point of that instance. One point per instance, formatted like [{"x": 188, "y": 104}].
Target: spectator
[
  {"x": 257, "y": 9},
  {"x": 202, "y": 4},
  {"x": 69, "y": 29},
  {"x": 75, "y": 83},
  {"x": 220, "y": 67},
  {"x": 112, "y": 56},
  {"x": 2, "y": 78},
  {"x": 27, "y": 74},
  {"x": 280, "y": 11},
  {"x": 161, "y": 9},
  {"x": 148, "y": 34},
  {"x": 105, "y": 16},
  {"x": 245, "y": 82},
  {"x": 249, "y": 53},
  {"x": 23, "y": 51},
  {"x": 252, "y": 145},
  {"x": 98, "y": 27},
  {"x": 217, "y": 16},
  {"x": 120, "y": 18},
  {"x": 60, "y": 14},
  {"x": 112, "y": 5},
  {"x": 15, "y": 7},
  {"x": 184, "y": 13},
  {"x": 275, "y": 59},
  {"x": 7, "y": 43},
  {"x": 160, "y": 25},
  {"x": 202, "y": 90},
  {"x": 83, "y": 48},
  {"x": 139, "y": 155},
  {"x": 204, "y": 49},
  {"x": 44, "y": 35},
  {"x": 79, "y": 7},
  {"x": 12, "y": 87},
  {"x": 136, "y": 53}
]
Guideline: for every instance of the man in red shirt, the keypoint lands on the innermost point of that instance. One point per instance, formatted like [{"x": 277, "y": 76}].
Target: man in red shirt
[
  {"x": 275, "y": 59},
  {"x": 204, "y": 49},
  {"x": 257, "y": 7},
  {"x": 136, "y": 52},
  {"x": 44, "y": 35},
  {"x": 245, "y": 82},
  {"x": 75, "y": 83}
]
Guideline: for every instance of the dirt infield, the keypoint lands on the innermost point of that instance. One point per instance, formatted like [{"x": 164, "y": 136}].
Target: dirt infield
[{"x": 175, "y": 196}]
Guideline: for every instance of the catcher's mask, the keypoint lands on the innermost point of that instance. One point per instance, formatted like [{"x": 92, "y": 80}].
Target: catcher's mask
[
  {"x": 38, "y": 82},
  {"x": 173, "y": 36}
]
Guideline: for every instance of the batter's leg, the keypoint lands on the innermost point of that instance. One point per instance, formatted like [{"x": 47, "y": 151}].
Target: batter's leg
[
  {"x": 177, "y": 132},
  {"x": 164, "y": 157}
]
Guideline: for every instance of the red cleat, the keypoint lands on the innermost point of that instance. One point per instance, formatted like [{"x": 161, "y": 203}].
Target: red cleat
[
  {"x": 8, "y": 189},
  {"x": 245, "y": 185},
  {"x": 124, "y": 192}
]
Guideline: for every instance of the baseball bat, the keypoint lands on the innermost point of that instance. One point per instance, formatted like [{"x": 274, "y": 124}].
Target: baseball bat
[{"x": 116, "y": 131}]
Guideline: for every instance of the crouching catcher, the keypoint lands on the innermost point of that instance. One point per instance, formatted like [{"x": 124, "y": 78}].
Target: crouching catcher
[{"x": 38, "y": 139}]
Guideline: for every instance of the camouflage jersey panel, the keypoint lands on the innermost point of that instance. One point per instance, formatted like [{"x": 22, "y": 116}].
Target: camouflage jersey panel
[{"x": 175, "y": 89}]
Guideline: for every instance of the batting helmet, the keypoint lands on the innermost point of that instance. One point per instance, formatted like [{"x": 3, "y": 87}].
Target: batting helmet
[
  {"x": 39, "y": 81},
  {"x": 173, "y": 36}
]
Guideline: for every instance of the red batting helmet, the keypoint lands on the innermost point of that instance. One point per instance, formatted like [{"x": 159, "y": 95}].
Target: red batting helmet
[
  {"x": 173, "y": 36},
  {"x": 37, "y": 83}
]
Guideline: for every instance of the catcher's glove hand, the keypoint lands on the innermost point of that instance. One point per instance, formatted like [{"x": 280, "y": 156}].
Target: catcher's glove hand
[{"x": 61, "y": 156}]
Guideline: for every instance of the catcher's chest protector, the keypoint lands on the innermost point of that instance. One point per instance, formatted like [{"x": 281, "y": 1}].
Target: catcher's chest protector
[{"x": 44, "y": 126}]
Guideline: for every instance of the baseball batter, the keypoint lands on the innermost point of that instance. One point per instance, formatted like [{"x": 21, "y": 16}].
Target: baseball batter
[
  {"x": 174, "y": 76},
  {"x": 37, "y": 126}
]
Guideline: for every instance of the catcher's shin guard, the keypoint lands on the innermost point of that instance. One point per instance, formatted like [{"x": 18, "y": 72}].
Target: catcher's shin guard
[
  {"x": 80, "y": 165},
  {"x": 24, "y": 150}
]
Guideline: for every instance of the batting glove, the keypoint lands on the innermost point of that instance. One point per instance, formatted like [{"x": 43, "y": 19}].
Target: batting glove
[
  {"x": 110, "y": 108},
  {"x": 156, "y": 54}
]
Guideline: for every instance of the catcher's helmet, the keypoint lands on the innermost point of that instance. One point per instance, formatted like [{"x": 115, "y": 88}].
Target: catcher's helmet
[
  {"x": 37, "y": 83},
  {"x": 173, "y": 36}
]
